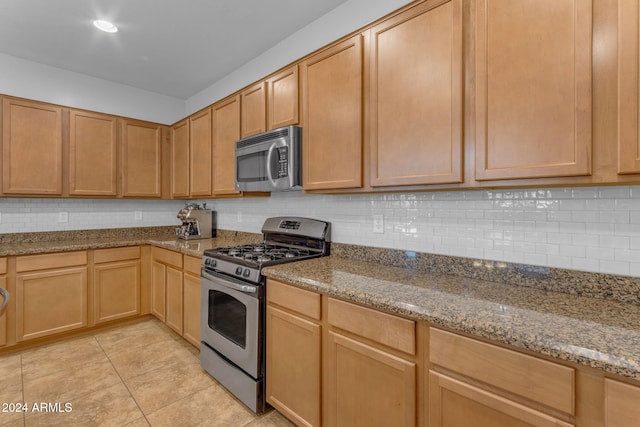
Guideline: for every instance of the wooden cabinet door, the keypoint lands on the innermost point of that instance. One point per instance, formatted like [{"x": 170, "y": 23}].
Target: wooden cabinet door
[
  {"x": 416, "y": 96},
  {"x": 31, "y": 148},
  {"x": 453, "y": 403},
  {"x": 141, "y": 159},
  {"x": 51, "y": 301},
  {"x": 116, "y": 290},
  {"x": 621, "y": 407},
  {"x": 158, "y": 289},
  {"x": 226, "y": 131},
  {"x": 180, "y": 159},
  {"x": 533, "y": 88},
  {"x": 293, "y": 366},
  {"x": 174, "y": 299},
  {"x": 92, "y": 154},
  {"x": 254, "y": 110},
  {"x": 191, "y": 299},
  {"x": 332, "y": 117},
  {"x": 367, "y": 386},
  {"x": 200, "y": 160},
  {"x": 3, "y": 318},
  {"x": 282, "y": 99},
  {"x": 628, "y": 87}
]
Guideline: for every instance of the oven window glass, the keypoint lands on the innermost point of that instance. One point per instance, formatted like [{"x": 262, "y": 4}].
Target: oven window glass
[
  {"x": 252, "y": 167},
  {"x": 228, "y": 317}
]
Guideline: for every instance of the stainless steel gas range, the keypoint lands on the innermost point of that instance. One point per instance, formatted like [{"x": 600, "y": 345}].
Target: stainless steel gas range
[{"x": 233, "y": 302}]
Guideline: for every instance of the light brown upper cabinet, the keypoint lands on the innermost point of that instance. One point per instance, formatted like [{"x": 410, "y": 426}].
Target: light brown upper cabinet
[
  {"x": 31, "y": 148},
  {"x": 180, "y": 159},
  {"x": 141, "y": 159},
  {"x": 92, "y": 154},
  {"x": 332, "y": 117},
  {"x": 628, "y": 87},
  {"x": 200, "y": 154},
  {"x": 282, "y": 99},
  {"x": 533, "y": 88},
  {"x": 416, "y": 96},
  {"x": 226, "y": 131},
  {"x": 254, "y": 114}
]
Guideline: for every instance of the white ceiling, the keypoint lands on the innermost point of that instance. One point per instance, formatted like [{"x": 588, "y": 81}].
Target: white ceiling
[{"x": 172, "y": 47}]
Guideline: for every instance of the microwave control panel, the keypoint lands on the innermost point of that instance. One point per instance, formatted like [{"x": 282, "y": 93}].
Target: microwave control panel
[{"x": 283, "y": 162}]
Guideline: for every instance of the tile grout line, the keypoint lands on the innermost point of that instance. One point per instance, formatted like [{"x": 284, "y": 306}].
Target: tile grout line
[{"x": 122, "y": 380}]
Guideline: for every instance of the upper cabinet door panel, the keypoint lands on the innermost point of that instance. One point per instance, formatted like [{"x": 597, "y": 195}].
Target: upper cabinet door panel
[
  {"x": 254, "y": 113},
  {"x": 180, "y": 159},
  {"x": 416, "y": 97},
  {"x": 282, "y": 99},
  {"x": 141, "y": 159},
  {"x": 92, "y": 154},
  {"x": 332, "y": 117},
  {"x": 226, "y": 131},
  {"x": 628, "y": 87},
  {"x": 31, "y": 148},
  {"x": 200, "y": 176},
  {"x": 533, "y": 93}
]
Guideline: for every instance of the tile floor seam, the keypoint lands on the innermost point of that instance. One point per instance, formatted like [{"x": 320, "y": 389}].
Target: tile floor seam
[{"x": 122, "y": 380}]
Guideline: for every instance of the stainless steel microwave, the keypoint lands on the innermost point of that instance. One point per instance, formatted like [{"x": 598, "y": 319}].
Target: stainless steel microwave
[{"x": 270, "y": 161}]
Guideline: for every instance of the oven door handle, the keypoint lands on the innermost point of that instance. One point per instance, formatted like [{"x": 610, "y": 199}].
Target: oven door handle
[{"x": 248, "y": 289}]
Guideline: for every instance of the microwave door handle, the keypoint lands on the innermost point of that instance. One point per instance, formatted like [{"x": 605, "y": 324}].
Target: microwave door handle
[{"x": 272, "y": 149}]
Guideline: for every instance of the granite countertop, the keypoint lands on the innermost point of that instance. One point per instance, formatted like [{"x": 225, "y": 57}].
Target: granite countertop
[
  {"x": 12, "y": 245},
  {"x": 600, "y": 333}
]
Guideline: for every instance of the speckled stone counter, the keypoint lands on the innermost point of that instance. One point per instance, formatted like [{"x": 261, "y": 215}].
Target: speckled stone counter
[
  {"x": 596, "y": 332},
  {"x": 64, "y": 241}
]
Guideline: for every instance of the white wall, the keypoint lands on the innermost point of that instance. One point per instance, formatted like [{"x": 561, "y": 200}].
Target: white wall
[
  {"x": 27, "y": 79},
  {"x": 590, "y": 229}
]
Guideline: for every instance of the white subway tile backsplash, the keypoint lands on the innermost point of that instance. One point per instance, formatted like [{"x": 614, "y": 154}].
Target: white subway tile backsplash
[{"x": 591, "y": 228}]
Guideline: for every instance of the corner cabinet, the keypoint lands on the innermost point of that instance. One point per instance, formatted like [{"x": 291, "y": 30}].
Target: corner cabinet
[
  {"x": 166, "y": 287},
  {"x": 92, "y": 154},
  {"x": 141, "y": 159},
  {"x": 415, "y": 96},
  {"x": 116, "y": 283},
  {"x": 191, "y": 299},
  {"x": 179, "y": 164},
  {"x": 31, "y": 148},
  {"x": 533, "y": 88},
  {"x": 200, "y": 154},
  {"x": 332, "y": 117}
]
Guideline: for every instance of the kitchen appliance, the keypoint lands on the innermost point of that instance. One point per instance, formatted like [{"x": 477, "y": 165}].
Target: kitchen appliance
[
  {"x": 233, "y": 302},
  {"x": 270, "y": 161},
  {"x": 198, "y": 222}
]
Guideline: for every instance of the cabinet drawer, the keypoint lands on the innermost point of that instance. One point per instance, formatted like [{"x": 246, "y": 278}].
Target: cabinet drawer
[
  {"x": 3, "y": 265},
  {"x": 192, "y": 265},
  {"x": 166, "y": 256},
  {"x": 116, "y": 254},
  {"x": 299, "y": 300},
  {"x": 47, "y": 261},
  {"x": 383, "y": 328},
  {"x": 621, "y": 403},
  {"x": 539, "y": 380}
]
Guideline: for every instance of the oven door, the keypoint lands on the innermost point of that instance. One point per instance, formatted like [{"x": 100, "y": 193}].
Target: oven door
[{"x": 231, "y": 320}]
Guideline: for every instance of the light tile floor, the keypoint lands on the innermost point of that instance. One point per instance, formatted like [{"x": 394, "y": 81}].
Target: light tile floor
[{"x": 140, "y": 374}]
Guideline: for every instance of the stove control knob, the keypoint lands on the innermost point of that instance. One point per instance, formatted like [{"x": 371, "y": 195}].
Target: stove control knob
[
  {"x": 210, "y": 262},
  {"x": 246, "y": 272},
  {"x": 239, "y": 271}
]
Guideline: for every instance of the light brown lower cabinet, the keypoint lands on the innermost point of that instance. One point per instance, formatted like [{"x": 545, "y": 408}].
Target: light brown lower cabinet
[
  {"x": 191, "y": 300},
  {"x": 51, "y": 294},
  {"x": 454, "y": 403},
  {"x": 622, "y": 404},
  {"x": 166, "y": 287},
  {"x": 116, "y": 284},
  {"x": 3, "y": 318}
]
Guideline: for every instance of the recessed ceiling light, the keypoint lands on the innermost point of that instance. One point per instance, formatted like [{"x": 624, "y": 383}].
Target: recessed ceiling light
[{"x": 105, "y": 26}]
